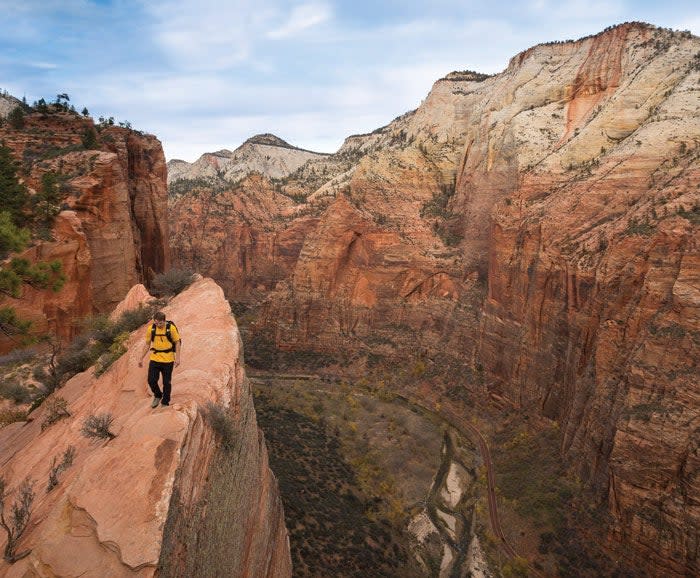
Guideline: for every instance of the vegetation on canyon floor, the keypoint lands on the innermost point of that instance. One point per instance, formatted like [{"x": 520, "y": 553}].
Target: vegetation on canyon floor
[
  {"x": 549, "y": 516},
  {"x": 345, "y": 506}
]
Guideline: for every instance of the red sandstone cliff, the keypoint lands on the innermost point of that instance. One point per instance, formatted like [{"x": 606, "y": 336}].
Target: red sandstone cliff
[
  {"x": 540, "y": 225},
  {"x": 116, "y": 506},
  {"x": 113, "y": 228}
]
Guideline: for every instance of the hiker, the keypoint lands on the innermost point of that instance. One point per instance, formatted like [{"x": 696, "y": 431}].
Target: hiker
[{"x": 163, "y": 341}]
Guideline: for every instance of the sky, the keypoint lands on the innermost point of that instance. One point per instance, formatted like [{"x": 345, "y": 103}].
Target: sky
[{"x": 206, "y": 75}]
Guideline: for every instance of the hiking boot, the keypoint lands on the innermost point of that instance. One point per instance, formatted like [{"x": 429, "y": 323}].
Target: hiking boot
[
  {"x": 155, "y": 402},
  {"x": 163, "y": 403}
]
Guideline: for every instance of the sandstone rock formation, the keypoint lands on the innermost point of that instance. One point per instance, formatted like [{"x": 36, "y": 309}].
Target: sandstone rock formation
[
  {"x": 539, "y": 226},
  {"x": 7, "y": 104},
  {"x": 107, "y": 514},
  {"x": 113, "y": 228},
  {"x": 265, "y": 154}
]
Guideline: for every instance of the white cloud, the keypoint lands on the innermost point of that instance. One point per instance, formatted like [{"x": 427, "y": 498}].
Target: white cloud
[
  {"x": 301, "y": 18},
  {"x": 43, "y": 65},
  {"x": 207, "y": 35}
]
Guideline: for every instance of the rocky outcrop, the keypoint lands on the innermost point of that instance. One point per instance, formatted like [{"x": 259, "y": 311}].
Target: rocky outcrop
[
  {"x": 541, "y": 227},
  {"x": 7, "y": 104},
  {"x": 107, "y": 514},
  {"x": 113, "y": 228},
  {"x": 265, "y": 154},
  {"x": 592, "y": 312}
]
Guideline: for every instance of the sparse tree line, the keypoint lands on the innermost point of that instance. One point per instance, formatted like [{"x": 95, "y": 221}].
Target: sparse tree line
[{"x": 17, "y": 116}]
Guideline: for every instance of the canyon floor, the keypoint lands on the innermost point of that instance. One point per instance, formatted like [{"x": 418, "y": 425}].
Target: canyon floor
[{"x": 375, "y": 484}]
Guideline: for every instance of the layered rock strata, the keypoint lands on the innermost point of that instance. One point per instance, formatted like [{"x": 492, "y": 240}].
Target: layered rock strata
[
  {"x": 107, "y": 514},
  {"x": 540, "y": 226},
  {"x": 113, "y": 228}
]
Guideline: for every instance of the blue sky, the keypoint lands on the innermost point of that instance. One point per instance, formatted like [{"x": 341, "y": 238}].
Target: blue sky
[{"x": 205, "y": 75}]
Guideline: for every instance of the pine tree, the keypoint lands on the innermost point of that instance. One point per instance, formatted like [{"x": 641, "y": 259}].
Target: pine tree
[
  {"x": 48, "y": 199},
  {"x": 16, "y": 118},
  {"x": 13, "y": 194}
]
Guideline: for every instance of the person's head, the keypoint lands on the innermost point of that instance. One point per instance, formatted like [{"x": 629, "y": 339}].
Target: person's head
[{"x": 159, "y": 318}]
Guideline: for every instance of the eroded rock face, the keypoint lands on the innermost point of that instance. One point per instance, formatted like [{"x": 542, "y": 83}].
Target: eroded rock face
[
  {"x": 106, "y": 516},
  {"x": 592, "y": 315},
  {"x": 113, "y": 228},
  {"x": 541, "y": 225}
]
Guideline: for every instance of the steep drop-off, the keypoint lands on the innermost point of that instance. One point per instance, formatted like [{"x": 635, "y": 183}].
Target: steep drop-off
[
  {"x": 539, "y": 226},
  {"x": 124, "y": 503}
]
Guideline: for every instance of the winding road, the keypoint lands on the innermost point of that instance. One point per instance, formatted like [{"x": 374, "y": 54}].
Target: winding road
[
  {"x": 467, "y": 429},
  {"x": 460, "y": 424}
]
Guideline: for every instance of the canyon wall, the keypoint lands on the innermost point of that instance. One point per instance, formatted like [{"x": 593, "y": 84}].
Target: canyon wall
[
  {"x": 112, "y": 511},
  {"x": 112, "y": 228},
  {"x": 592, "y": 312},
  {"x": 539, "y": 226}
]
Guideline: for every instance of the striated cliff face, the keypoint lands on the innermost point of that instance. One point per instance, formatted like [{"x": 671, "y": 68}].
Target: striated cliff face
[
  {"x": 113, "y": 228},
  {"x": 115, "y": 507},
  {"x": 539, "y": 225},
  {"x": 592, "y": 313}
]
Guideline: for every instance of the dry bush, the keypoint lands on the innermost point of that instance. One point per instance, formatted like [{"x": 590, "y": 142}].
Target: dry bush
[
  {"x": 56, "y": 409},
  {"x": 97, "y": 426},
  {"x": 15, "y": 391},
  {"x": 56, "y": 468},
  {"x": 8, "y": 416},
  {"x": 222, "y": 424},
  {"x": 20, "y": 513}
]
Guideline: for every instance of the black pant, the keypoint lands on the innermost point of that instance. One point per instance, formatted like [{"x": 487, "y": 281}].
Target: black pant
[{"x": 154, "y": 369}]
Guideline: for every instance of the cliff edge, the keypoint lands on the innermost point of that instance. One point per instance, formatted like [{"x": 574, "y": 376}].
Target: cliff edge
[{"x": 113, "y": 508}]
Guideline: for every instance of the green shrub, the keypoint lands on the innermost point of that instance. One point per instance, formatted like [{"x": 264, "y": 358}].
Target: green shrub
[
  {"x": 172, "y": 282},
  {"x": 16, "y": 118},
  {"x": 103, "y": 341},
  {"x": 115, "y": 351},
  {"x": 78, "y": 357},
  {"x": 135, "y": 318}
]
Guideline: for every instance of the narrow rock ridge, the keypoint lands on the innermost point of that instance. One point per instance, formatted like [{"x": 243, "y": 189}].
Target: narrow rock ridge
[{"x": 107, "y": 515}]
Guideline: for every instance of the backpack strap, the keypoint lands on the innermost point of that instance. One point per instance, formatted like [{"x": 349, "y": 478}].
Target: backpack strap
[{"x": 173, "y": 345}]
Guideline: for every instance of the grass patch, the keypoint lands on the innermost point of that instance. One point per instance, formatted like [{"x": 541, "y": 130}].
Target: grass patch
[{"x": 531, "y": 474}]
